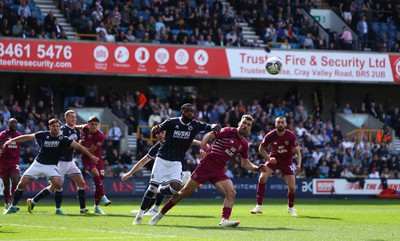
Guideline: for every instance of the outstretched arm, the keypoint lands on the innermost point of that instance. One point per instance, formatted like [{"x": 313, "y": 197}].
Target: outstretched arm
[
  {"x": 23, "y": 138},
  {"x": 85, "y": 151},
  {"x": 136, "y": 168},
  {"x": 245, "y": 162}
]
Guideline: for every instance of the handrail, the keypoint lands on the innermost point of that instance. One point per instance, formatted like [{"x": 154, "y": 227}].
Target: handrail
[
  {"x": 151, "y": 137},
  {"x": 86, "y": 35},
  {"x": 271, "y": 43},
  {"x": 368, "y": 132}
]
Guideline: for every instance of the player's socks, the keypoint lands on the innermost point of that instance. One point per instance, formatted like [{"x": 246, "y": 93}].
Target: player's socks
[
  {"x": 226, "y": 212},
  {"x": 58, "y": 198},
  {"x": 147, "y": 200},
  {"x": 168, "y": 190},
  {"x": 99, "y": 185},
  {"x": 167, "y": 207},
  {"x": 17, "y": 196},
  {"x": 291, "y": 198},
  {"x": 43, "y": 193},
  {"x": 6, "y": 195},
  {"x": 82, "y": 198},
  {"x": 159, "y": 199},
  {"x": 260, "y": 193}
]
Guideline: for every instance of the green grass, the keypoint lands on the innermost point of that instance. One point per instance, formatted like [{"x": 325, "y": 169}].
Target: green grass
[{"x": 325, "y": 219}]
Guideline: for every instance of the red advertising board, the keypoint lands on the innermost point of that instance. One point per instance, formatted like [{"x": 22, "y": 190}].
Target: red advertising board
[{"x": 83, "y": 57}]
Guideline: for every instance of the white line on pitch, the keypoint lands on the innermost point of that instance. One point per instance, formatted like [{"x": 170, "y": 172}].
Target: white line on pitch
[
  {"x": 87, "y": 229},
  {"x": 42, "y": 239}
]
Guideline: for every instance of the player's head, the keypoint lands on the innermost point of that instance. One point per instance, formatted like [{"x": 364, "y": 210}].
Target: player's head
[
  {"x": 280, "y": 123},
  {"x": 187, "y": 112},
  {"x": 54, "y": 126},
  {"x": 12, "y": 124},
  {"x": 160, "y": 136},
  {"x": 70, "y": 117},
  {"x": 245, "y": 125},
  {"x": 93, "y": 124}
]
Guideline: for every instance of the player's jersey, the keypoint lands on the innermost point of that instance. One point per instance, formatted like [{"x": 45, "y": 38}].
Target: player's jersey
[
  {"x": 89, "y": 139},
  {"x": 50, "y": 147},
  {"x": 72, "y": 134},
  {"x": 152, "y": 153},
  {"x": 10, "y": 154},
  {"x": 281, "y": 147},
  {"x": 179, "y": 137},
  {"x": 226, "y": 145}
]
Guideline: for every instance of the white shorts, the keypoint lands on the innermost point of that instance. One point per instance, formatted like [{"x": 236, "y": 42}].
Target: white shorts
[
  {"x": 37, "y": 170},
  {"x": 68, "y": 168},
  {"x": 166, "y": 171},
  {"x": 347, "y": 16}
]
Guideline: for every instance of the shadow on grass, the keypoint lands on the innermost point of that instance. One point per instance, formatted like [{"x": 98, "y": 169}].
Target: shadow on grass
[
  {"x": 192, "y": 216},
  {"x": 95, "y": 215},
  {"x": 317, "y": 217},
  {"x": 239, "y": 228}
]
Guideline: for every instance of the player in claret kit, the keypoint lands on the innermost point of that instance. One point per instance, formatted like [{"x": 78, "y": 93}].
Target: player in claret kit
[
  {"x": 228, "y": 143},
  {"x": 282, "y": 144},
  {"x": 51, "y": 144},
  {"x": 9, "y": 162},
  {"x": 93, "y": 139}
]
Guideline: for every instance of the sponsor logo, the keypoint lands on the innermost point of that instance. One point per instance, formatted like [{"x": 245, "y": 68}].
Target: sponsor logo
[
  {"x": 51, "y": 143},
  {"x": 325, "y": 186},
  {"x": 181, "y": 134},
  {"x": 100, "y": 53}
]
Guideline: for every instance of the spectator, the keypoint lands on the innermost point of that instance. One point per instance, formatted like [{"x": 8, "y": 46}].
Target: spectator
[
  {"x": 362, "y": 29},
  {"x": 115, "y": 134}
]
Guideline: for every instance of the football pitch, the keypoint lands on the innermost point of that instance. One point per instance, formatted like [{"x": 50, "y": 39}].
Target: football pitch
[{"x": 197, "y": 219}]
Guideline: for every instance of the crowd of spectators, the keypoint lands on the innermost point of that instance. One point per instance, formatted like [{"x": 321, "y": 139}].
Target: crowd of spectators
[
  {"x": 206, "y": 23},
  {"x": 326, "y": 151}
]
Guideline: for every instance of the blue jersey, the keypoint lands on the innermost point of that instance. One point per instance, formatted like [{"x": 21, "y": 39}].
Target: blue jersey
[
  {"x": 179, "y": 137},
  {"x": 72, "y": 134},
  {"x": 50, "y": 147}
]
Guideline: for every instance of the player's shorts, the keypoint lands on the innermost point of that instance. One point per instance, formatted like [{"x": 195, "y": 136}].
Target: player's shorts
[
  {"x": 166, "y": 171},
  {"x": 185, "y": 177},
  {"x": 8, "y": 171},
  {"x": 68, "y": 168},
  {"x": 204, "y": 173},
  {"x": 89, "y": 165},
  {"x": 286, "y": 169},
  {"x": 37, "y": 170}
]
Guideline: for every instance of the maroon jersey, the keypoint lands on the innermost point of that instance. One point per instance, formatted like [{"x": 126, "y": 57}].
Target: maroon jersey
[
  {"x": 227, "y": 144},
  {"x": 90, "y": 139},
  {"x": 281, "y": 147},
  {"x": 10, "y": 154}
]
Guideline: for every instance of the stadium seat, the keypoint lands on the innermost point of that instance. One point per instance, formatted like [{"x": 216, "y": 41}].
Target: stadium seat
[
  {"x": 384, "y": 27},
  {"x": 376, "y": 27}
]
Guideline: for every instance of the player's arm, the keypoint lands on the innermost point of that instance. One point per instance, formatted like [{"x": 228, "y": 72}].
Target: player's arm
[
  {"x": 198, "y": 143},
  {"x": 296, "y": 151},
  {"x": 23, "y": 138},
  {"x": 204, "y": 142},
  {"x": 146, "y": 159},
  {"x": 245, "y": 162},
  {"x": 263, "y": 153},
  {"x": 85, "y": 151}
]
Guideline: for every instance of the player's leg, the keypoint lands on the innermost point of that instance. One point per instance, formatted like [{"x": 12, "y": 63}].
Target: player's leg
[
  {"x": 25, "y": 180},
  {"x": 171, "y": 189},
  {"x": 6, "y": 191},
  {"x": 186, "y": 191},
  {"x": 291, "y": 195},
  {"x": 99, "y": 190},
  {"x": 262, "y": 180},
  {"x": 58, "y": 192},
  {"x": 15, "y": 177},
  {"x": 147, "y": 201},
  {"x": 226, "y": 187},
  {"x": 104, "y": 199},
  {"x": 31, "y": 202},
  {"x": 80, "y": 183}
]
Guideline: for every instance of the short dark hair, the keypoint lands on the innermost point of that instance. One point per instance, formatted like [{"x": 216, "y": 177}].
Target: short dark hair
[
  {"x": 53, "y": 121},
  {"x": 187, "y": 105},
  {"x": 93, "y": 119}
]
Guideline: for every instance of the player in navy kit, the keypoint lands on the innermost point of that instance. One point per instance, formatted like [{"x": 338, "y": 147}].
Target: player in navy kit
[
  {"x": 65, "y": 166},
  {"x": 179, "y": 134},
  {"x": 228, "y": 143},
  {"x": 9, "y": 162},
  {"x": 282, "y": 143},
  {"x": 51, "y": 145}
]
